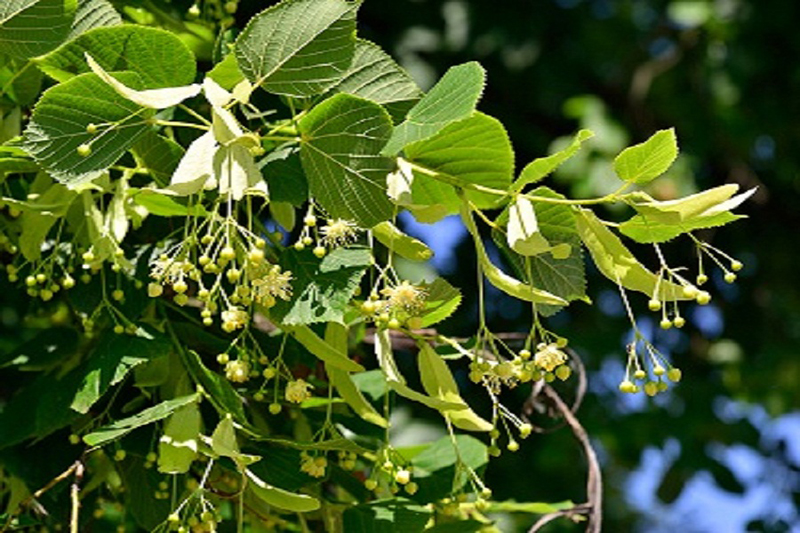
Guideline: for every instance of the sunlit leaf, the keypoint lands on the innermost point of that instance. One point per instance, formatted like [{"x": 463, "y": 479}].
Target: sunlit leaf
[
  {"x": 298, "y": 47},
  {"x": 646, "y": 161},
  {"x": 453, "y": 98},
  {"x": 342, "y": 140}
]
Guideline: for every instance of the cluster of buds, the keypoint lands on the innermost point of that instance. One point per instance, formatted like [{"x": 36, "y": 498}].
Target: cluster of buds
[
  {"x": 229, "y": 270},
  {"x": 670, "y": 312},
  {"x": 336, "y": 232},
  {"x": 313, "y": 465},
  {"x": 347, "y": 460},
  {"x": 396, "y": 474},
  {"x": 647, "y": 372}
]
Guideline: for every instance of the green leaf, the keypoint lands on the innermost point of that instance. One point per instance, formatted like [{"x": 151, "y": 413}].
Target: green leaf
[
  {"x": 541, "y": 167},
  {"x": 122, "y": 427},
  {"x": 141, "y": 484},
  {"x": 159, "y": 57},
  {"x": 58, "y": 127},
  {"x": 39, "y": 408},
  {"x": 298, "y": 47},
  {"x": 323, "y": 350},
  {"x": 646, "y": 161},
  {"x": 20, "y": 82},
  {"x": 462, "y": 526},
  {"x": 329, "y": 445},
  {"x": 93, "y": 14},
  {"x": 396, "y": 381},
  {"x": 386, "y": 516},
  {"x": 342, "y": 139},
  {"x": 177, "y": 448},
  {"x": 474, "y": 151},
  {"x": 398, "y": 242},
  {"x": 283, "y": 172},
  {"x": 226, "y": 73},
  {"x": 321, "y": 289},
  {"x": 438, "y": 382},
  {"x": 217, "y": 389},
  {"x": 562, "y": 276},
  {"x": 435, "y": 467},
  {"x": 41, "y": 212},
  {"x": 165, "y": 206},
  {"x": 159, "y": 155},
  {"x": 498, "y": 278},
  {"x": 662, "y": 221},
  {"x": 640, "y": 229},
  {"x": 336, "y": 336},
  {"x": 31, "y": 28},
  {"x": 374, "y": 75},
  {"x": 618, "y": 264},
  {"x": 112, "y": 359},
  {"x": 452, "y": 99},
  {"x": 441, "y": 301},
  {"x": 280, "y": 498}
]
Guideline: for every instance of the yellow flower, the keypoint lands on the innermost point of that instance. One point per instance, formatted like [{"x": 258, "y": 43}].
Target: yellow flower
[
  {"x": 237, "y": 371},
  {"x": 234, "y": 318},
  {"x": 338, "y": 232},
  {"x": 405, "y": 297},
  {"x": 272, "y": 284},
  {"x": 169, "y": 270},
  {"x": 548, "y": 356},
  {"x": 297, "y": 391}
]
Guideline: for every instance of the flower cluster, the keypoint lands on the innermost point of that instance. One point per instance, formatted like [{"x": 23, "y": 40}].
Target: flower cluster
[
  {"x": 226, "y": 270},
  {"x": 548, "y": 363},
  {"x": 402, "y": 303}
]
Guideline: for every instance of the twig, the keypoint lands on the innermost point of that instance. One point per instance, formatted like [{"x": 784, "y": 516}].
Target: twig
[
  {"x": 75, "y": 490},
  {"x": 593, "y": 508},
  {"x": 74, "y": 468}
]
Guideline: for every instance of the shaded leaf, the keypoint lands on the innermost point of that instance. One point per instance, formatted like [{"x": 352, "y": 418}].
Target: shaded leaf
[
  {"x": 218, "y": 389},
  {"x": 31, "y": 28},
  {"x": 283, "y": 172},
  {"x": 112, "y": 359},
  {"x": 122, "y": 427},
  {"x": 388, "y": 516}
]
